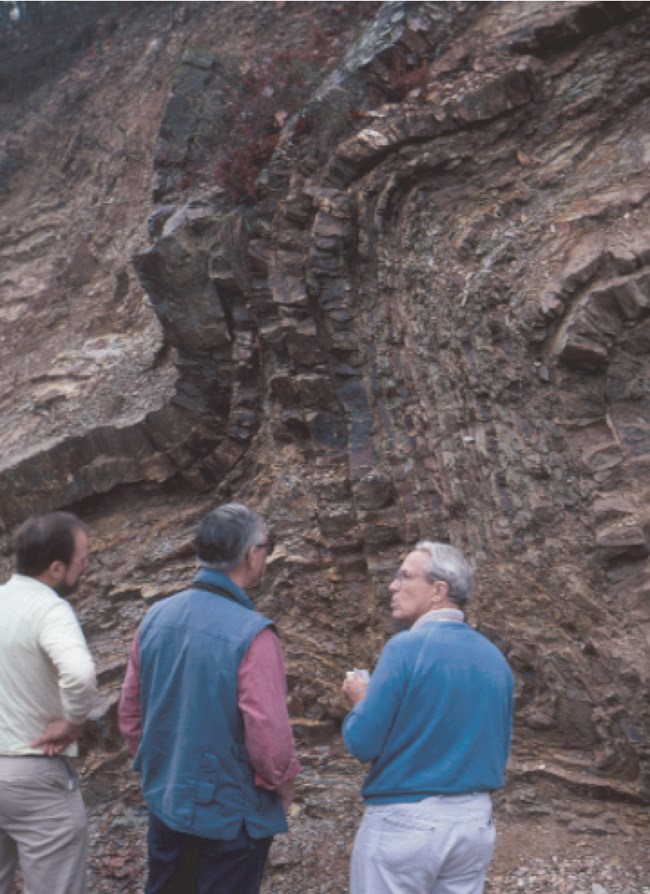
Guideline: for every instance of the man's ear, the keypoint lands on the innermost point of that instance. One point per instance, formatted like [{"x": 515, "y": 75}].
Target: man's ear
[
  {"x": 441, "y": 590},
  {"x": 54, "y": 573}
]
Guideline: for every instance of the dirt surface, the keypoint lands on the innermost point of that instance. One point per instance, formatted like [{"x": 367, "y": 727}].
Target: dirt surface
[{"x": 548, "y": 840}]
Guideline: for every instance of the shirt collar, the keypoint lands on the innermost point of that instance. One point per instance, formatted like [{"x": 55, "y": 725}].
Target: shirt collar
[
  {"x": 219, "y": 579},
  {"x": 439, "y": 614}
]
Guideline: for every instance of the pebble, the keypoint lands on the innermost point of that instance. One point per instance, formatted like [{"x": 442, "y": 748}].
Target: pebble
[{"x": 584, "y": 874}]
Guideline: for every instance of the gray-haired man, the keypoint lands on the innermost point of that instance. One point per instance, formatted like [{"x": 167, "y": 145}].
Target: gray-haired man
[
  {"x": 203, "y": 709},
  {"x": 435, "y": 722}
]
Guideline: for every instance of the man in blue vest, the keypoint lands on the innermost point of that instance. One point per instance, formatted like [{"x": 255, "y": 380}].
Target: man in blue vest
[
  {"x": 203, "y": 709},
  {"x": 435, "y": 722}
]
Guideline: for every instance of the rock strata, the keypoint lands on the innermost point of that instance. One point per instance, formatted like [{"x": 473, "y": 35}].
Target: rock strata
[
  {"x": 443, "y": 319},
  {"x": 429, "y": 316}
]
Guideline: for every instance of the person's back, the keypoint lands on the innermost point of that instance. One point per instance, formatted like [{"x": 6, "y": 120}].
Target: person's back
[
  {"x": 190, "y": 649},
  {"x": 435, "y": 721},
  {"x": 448, "y": 690},
  {"x": 203, "y": 709},
  {"x": 47, "y": 690},
  {"x": 33, "y": 616}
]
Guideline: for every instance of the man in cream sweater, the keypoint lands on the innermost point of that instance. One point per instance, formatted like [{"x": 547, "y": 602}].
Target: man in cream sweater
[{"x": 47, "y": 690}]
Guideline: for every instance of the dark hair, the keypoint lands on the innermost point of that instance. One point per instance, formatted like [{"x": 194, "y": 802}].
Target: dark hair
[
  {"x": 226, "y": 534},
  {"x": 43, "y": 539}
]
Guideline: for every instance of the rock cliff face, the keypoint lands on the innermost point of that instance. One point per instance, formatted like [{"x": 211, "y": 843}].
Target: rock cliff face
[{"x": 431, "y": 319}]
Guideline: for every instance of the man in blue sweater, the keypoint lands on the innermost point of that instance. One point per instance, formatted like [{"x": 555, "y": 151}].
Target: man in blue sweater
[{"x": 435, "y": 723}]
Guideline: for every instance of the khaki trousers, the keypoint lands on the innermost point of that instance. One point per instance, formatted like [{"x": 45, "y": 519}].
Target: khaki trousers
[{"x": 42, "y": 826}]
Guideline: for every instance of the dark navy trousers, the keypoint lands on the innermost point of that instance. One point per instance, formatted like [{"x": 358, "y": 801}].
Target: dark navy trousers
[{"x": 185, "y": 864}]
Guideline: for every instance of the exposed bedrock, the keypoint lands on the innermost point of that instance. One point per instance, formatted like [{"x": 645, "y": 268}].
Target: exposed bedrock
[
  {"x": 444, "y": 325},
  {"x": 434, "y": 320}
]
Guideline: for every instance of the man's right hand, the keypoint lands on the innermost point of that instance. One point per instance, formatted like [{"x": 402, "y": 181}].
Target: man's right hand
[
  {"x": 286, "y": 793},
  {"x": 354, "y": 688},
  {"x": 57, "y": 736}
]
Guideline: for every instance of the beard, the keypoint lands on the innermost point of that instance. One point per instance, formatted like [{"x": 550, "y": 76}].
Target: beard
[{"x": 64, "y": 590}]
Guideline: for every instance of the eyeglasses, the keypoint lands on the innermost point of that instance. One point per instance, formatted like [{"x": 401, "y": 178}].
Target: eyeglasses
[
  {"x": 268, "y": 545},
  {"x": 400, "y": 576}
]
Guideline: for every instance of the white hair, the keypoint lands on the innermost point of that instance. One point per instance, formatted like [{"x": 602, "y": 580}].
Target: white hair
[{"x": 448, "y": 564}]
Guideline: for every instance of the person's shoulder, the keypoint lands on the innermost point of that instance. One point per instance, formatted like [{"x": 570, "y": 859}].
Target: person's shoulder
[
  {"x": 484, "y": 643},
  {"x": 264, "y": 623},
  {"x": 484, "y": 638},
  {"x": 458, "y": 630},
  {"x": 50, "y": 610},
  {"x": 477, "y": 636},
  {"x": 163, "y": 607},
  {"x": 400, "y": 643},
  {"x": 25, "y": 587}
]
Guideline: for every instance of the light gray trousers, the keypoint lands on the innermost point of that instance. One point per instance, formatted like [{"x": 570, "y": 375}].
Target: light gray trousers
[
  {"x": 441, "y": 845},
  {"x": 42, "y": 826}
]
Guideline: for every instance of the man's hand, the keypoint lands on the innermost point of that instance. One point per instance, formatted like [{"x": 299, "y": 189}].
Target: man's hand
[
  {"x": 354, "y": 687},
  {"x": 286, "y": 792},
  {"x": 57, "y": 736}
]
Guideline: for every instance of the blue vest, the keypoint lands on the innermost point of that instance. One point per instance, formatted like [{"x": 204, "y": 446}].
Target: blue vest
[{"x": 196, "y": 774}]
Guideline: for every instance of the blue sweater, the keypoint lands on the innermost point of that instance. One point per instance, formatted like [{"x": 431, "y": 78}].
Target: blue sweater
[{"x": 436, "y": 718}]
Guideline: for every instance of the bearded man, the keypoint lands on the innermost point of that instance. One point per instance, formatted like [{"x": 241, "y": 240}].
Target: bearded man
[{"x": 47, "y": 690}]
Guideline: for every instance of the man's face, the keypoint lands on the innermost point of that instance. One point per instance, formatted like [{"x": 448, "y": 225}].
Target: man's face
[
  {"x": 258, "y": 556},
  {"x": 412, "y": 594},
  {"x": 76, "y": 567}
]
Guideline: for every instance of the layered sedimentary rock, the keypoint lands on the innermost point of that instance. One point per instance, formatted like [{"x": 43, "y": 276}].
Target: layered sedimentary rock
[
  {"x": 445, "y": 322},
  {"x": 433, "y": 321}
]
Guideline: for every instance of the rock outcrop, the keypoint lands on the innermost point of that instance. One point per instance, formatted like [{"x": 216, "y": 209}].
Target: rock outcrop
[{"x": 433, "y": 320}]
